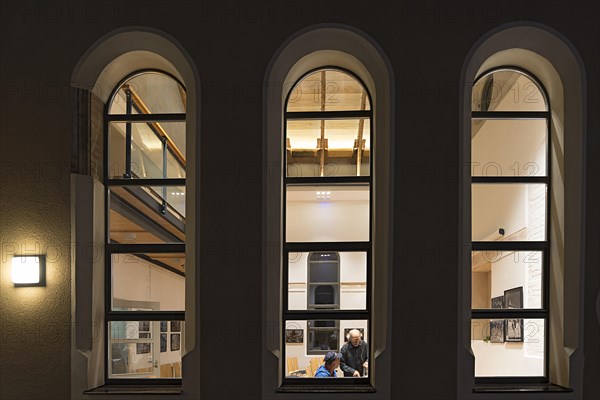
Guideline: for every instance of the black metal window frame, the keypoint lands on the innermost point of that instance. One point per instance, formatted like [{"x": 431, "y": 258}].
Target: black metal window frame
[
  {"x": 134, "y": 185},
  {"x": 297, "y": 247},
  {"x": 538, "y": 246},
  {"x": 312, "y": 306}
]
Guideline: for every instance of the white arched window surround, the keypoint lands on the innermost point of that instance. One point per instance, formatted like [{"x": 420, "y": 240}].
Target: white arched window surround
[
  {"x": 109, "y": 60},
  {"x": 328, "y": 45},
  {"x": 550, "y": 57}
]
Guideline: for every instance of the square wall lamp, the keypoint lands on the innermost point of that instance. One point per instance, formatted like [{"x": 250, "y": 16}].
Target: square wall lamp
[{"x": 28, "y": 271}]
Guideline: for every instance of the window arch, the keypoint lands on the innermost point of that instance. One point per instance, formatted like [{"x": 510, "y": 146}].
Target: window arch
[
  {"x": 144, "y": 177},
  {"x": 314, "y": 49},
  {"x": 327, "y": 209},
  {"x": 115, "y": 57},
  {"x": 555, "y": 64},
  {"x": 510, "y": 246}
]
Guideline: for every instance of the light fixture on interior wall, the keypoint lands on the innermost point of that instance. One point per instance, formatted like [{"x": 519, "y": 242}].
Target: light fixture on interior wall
[
  {"x": 29, "y": 270},
  {"x": 323, "y": 195}
]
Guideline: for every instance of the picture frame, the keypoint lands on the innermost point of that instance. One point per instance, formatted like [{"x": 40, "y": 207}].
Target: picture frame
[
  {"x": 294, "y": 336},
  {"x": 143, "y": 348},
  {"x": 513, "y": 299},
  {"x": 163, "y": 342},
  {"x": 514, "y": 330},
  {"x": 163, "y": 326},
  {"x": 347, "y": 332},
  {"x": 498, "y": 302},
  {"x": 175, "y": 326},
  {"x": 497, "y": 326},
  {"x": 175, "y": 341},
  {"x": 497, "y": 331}
]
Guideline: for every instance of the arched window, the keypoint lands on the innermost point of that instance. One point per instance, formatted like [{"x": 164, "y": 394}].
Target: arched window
[
  {"x": 145, "y": 181},
  {"x": 510, "y": 203},
  {"x": 327, "y": 216}
]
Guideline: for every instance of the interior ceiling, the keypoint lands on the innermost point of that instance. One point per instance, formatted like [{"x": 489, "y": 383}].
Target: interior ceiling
[
  {"x": 132, "y": 221},
  {"x": 505, "y": 90},
  {"x": 316, "y": 141}
]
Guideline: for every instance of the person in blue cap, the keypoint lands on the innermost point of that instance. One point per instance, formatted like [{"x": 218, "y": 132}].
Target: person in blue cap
[{"x": 327, "y": 370}]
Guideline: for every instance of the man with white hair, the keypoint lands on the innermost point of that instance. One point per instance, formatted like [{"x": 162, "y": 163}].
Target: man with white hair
[{"x": 355, "y": 355}]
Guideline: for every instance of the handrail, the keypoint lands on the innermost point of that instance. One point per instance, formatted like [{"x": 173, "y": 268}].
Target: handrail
[{"x": 145, "y": 110}]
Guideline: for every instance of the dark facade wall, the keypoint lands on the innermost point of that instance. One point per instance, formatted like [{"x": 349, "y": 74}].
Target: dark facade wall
[{"x": 231, "y": 44}]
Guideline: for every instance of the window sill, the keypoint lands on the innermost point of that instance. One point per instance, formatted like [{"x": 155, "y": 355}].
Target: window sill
[
  {"x": 308, "y": 388},
  {"x": 521, "y": 388},
  {"x": 136, "y": 390}
]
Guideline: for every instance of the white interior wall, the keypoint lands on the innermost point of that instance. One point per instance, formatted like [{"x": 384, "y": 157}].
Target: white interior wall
[
  {"x": 507, "y": 359},
  {"x": 498, "y": 206},
  {"x": 343, "y": 218},
  {"x": 137, "y": 280},
  {"x": 510, "y": 148},
  {"x": 511, "y": 207}
]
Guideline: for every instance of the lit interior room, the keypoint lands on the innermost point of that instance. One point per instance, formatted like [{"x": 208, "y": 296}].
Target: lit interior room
[
  {"x": 328, "y": 136},
  {"x": 289, "y": 200},
  {"x": 509, "y": 205},
  {"x": 144, "y": 144}
]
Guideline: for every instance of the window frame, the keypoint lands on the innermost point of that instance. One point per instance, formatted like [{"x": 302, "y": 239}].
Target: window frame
[
  {"x": 309, "y": 247},
  {"x": 544, "y": 247},
  {"x": 111, "y": 249}
]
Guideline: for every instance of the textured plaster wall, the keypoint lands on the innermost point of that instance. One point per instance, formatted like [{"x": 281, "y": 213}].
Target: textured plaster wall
[
  {"x": 231, "y": 44},
  {"x": 35, "y": 129}
]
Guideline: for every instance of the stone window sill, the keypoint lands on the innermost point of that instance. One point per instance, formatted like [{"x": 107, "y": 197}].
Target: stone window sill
[
  {"x": 136, "y": 390},
  {"x": 521, "y": 388}
]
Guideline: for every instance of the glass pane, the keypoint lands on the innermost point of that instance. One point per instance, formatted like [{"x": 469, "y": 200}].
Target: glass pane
[
  {"x": 146, "y": 150},
  {"x": 136, "y": 214},
  {"x": 509, "y": 212},
  {"x": 145, "y": 349},
  {"x": 307, "y": 342},
  {"x": 116, "y": 150},
  {"x": 175, "y": 131},
  {"x": 175, "y": 167},
  {"x": 328, "y": 90},
  {"x": 509, "y": 147},
  {"x": 327, "y": 213},
  {"x": 507, "y": 90},
  {"x": 338, "y": 155},
  {"x": 508, "y": 347},
  {"x": 152, "y": 93},
  {"x": 507, "y": 279},
  {"x": 318, "y": 282},
  {"x": 148, "y": 282}
]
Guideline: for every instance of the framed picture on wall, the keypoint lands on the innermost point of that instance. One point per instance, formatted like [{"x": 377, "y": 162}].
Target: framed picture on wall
[
  {"x": 514, "y": 330},
  {"x": 497, "y": 325},
  {"x": 498, "y": 302},
  {"x": 163, "y": 342},
  {"x": 142, "y": 348},
  {"x": 347, "y": 333},
  {"x": 175, "y": 326},
  {"x": 497, "y": 331},
  {"x": 163, "y": 326},
  {"x": 513, "y": 299},
  {"x": 175, "y": 341},
  {"x": 294, "y": 335}
]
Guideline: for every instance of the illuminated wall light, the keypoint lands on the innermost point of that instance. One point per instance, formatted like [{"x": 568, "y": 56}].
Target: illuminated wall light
[{"x": 28, "y": 270}]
